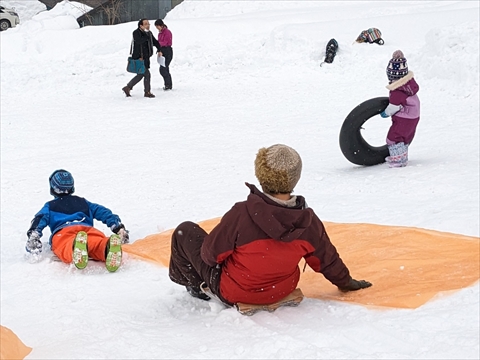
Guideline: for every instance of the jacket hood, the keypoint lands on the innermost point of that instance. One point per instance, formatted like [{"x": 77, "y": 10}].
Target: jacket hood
[
  {"x": 407, "y": 84},
  {"x": 277, "y": 221}
]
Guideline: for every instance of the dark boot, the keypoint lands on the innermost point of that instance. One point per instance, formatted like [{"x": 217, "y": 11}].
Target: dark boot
[
  {"x": 197, "y": 293},
  {"x": 126, "y": 90},
  {"x": 149, "y": 94}
]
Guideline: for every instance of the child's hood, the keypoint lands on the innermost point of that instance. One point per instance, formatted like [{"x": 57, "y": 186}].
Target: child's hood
[{"x": 407, "y": 84}]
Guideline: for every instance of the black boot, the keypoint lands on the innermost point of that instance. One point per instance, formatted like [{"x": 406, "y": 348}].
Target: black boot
[{"x": 197, "y": 293}]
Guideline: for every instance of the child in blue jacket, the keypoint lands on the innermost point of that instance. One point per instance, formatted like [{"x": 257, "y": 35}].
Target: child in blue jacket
[{"x": 70, "y": 219}]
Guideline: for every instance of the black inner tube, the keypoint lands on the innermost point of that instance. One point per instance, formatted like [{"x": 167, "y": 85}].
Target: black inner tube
[{"x": 353, "y": 145}]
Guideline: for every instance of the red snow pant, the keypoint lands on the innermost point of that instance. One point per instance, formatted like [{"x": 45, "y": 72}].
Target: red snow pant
[
  {"x": 402, "y": 130},
  {"x": 62, "y": 243}
]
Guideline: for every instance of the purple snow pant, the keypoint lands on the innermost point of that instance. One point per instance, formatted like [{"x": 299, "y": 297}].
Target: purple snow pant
[
  {"x": 186, "y": 265},
  {"x": 402, "y": 130}
]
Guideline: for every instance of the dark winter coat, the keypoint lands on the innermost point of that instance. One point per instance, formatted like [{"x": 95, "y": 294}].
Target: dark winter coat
[
  {"x": 142, "y": 47},
  {"x": 259, "y": 244},
  {"x": 71, "y": 210}
]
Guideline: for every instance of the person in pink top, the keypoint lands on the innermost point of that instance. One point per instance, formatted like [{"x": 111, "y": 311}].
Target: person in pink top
[
  {"x": 165, "y": 41},
  {"x": 403, "y": 107}
]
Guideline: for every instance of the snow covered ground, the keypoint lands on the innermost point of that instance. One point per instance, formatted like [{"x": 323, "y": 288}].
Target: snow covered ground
[
  {"x": 25, "y": 9},
  {"x": 246, "y": 75}
]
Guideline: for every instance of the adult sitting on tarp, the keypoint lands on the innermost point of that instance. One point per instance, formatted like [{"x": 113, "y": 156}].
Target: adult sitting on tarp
[
  {"x": 142, "y": 48},
  {"x": 252, "y": 255}
]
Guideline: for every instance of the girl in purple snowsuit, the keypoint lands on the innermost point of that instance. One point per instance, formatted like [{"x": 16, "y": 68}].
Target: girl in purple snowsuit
[{"x": 403, "y": 107}]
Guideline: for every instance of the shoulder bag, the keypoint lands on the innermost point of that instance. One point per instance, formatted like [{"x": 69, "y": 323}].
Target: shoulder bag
[{"x": 135, "y": 66}]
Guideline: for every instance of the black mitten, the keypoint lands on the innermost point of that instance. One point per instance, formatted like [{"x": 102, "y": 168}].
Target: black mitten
[
  {"x": 117, "y": 227},
  {"x": 355, "y": 285}
]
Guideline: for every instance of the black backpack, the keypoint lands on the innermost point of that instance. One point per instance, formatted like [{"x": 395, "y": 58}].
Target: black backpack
[{"x": 330, "y": 51}]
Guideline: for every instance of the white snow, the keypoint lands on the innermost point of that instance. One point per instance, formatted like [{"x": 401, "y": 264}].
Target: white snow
[
  {"x": 246, "y": 75},
  {"x": 33, "y": 9},
  {"x": 25, "y": 9}
]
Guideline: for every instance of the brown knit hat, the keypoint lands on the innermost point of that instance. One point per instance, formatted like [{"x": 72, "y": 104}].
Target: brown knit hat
[{"x": 278, "y": 169}]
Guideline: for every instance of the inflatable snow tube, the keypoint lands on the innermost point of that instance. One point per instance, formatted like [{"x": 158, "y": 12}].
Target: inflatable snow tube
[{"x": 353, "y": 145}]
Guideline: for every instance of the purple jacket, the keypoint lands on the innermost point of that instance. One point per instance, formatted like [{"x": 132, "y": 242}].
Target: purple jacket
[
  {"x": 165, "y": 37},
  {"x": 403, "y": 95}
]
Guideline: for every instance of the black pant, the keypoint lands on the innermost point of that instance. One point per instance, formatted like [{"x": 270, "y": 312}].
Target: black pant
[
  {"x": 186, "y": 265},
  {"x": 165, "y": 70},
  {"x": 146, "y": 80}
]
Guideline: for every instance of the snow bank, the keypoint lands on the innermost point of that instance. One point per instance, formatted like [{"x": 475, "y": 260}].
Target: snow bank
[
  {"x": 212, "y": 8},
  {"x": 64, "y": 8},
  {"x": 45, "y": 21},
  {"x": 449, "y": 54},
  {"x": 25, "y": 9},
  {"x": 34, "y": 16}
]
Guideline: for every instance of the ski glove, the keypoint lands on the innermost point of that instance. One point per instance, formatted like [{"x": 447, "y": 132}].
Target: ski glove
[
  {"x": 355, "y": 285},
  {"x": 34, "y": 245},
  {"x": 383, "y": 114}
]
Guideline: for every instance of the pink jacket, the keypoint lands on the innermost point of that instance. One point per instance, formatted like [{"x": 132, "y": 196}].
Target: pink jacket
[
  {"x": 403, "y": 100},
  {"x": 165, "y": 37}
]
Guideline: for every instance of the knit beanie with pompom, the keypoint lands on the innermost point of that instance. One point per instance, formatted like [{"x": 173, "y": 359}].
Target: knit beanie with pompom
[{"x": 397, "y": 66}]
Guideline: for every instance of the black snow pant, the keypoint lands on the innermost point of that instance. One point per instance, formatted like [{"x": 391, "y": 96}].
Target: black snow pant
[
  {"x": 165, "y": 70},
  {"x": 186, "y": 265},
  {"x": 146, "y": 80}
]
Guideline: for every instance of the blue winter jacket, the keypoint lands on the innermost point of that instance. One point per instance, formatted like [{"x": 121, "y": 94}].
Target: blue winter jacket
[{"x": 71, "y": 210}]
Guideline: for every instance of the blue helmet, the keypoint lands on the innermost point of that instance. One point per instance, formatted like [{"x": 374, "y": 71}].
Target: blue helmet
[{"x": 61, "y": 183}]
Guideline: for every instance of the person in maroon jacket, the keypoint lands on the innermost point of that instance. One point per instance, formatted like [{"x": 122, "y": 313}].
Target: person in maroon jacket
[
  {"x": 252, "y": 255},
  {"x": 403, "y": 107}
]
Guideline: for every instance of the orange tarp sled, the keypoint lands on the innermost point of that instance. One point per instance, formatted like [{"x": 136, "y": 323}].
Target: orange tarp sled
[
  {"x": 11, "y": 347},
  {"x": 407, "y": 266}
]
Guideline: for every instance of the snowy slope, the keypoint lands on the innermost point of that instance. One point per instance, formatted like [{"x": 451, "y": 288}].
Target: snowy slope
[{"x": 246, "y": 74}]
